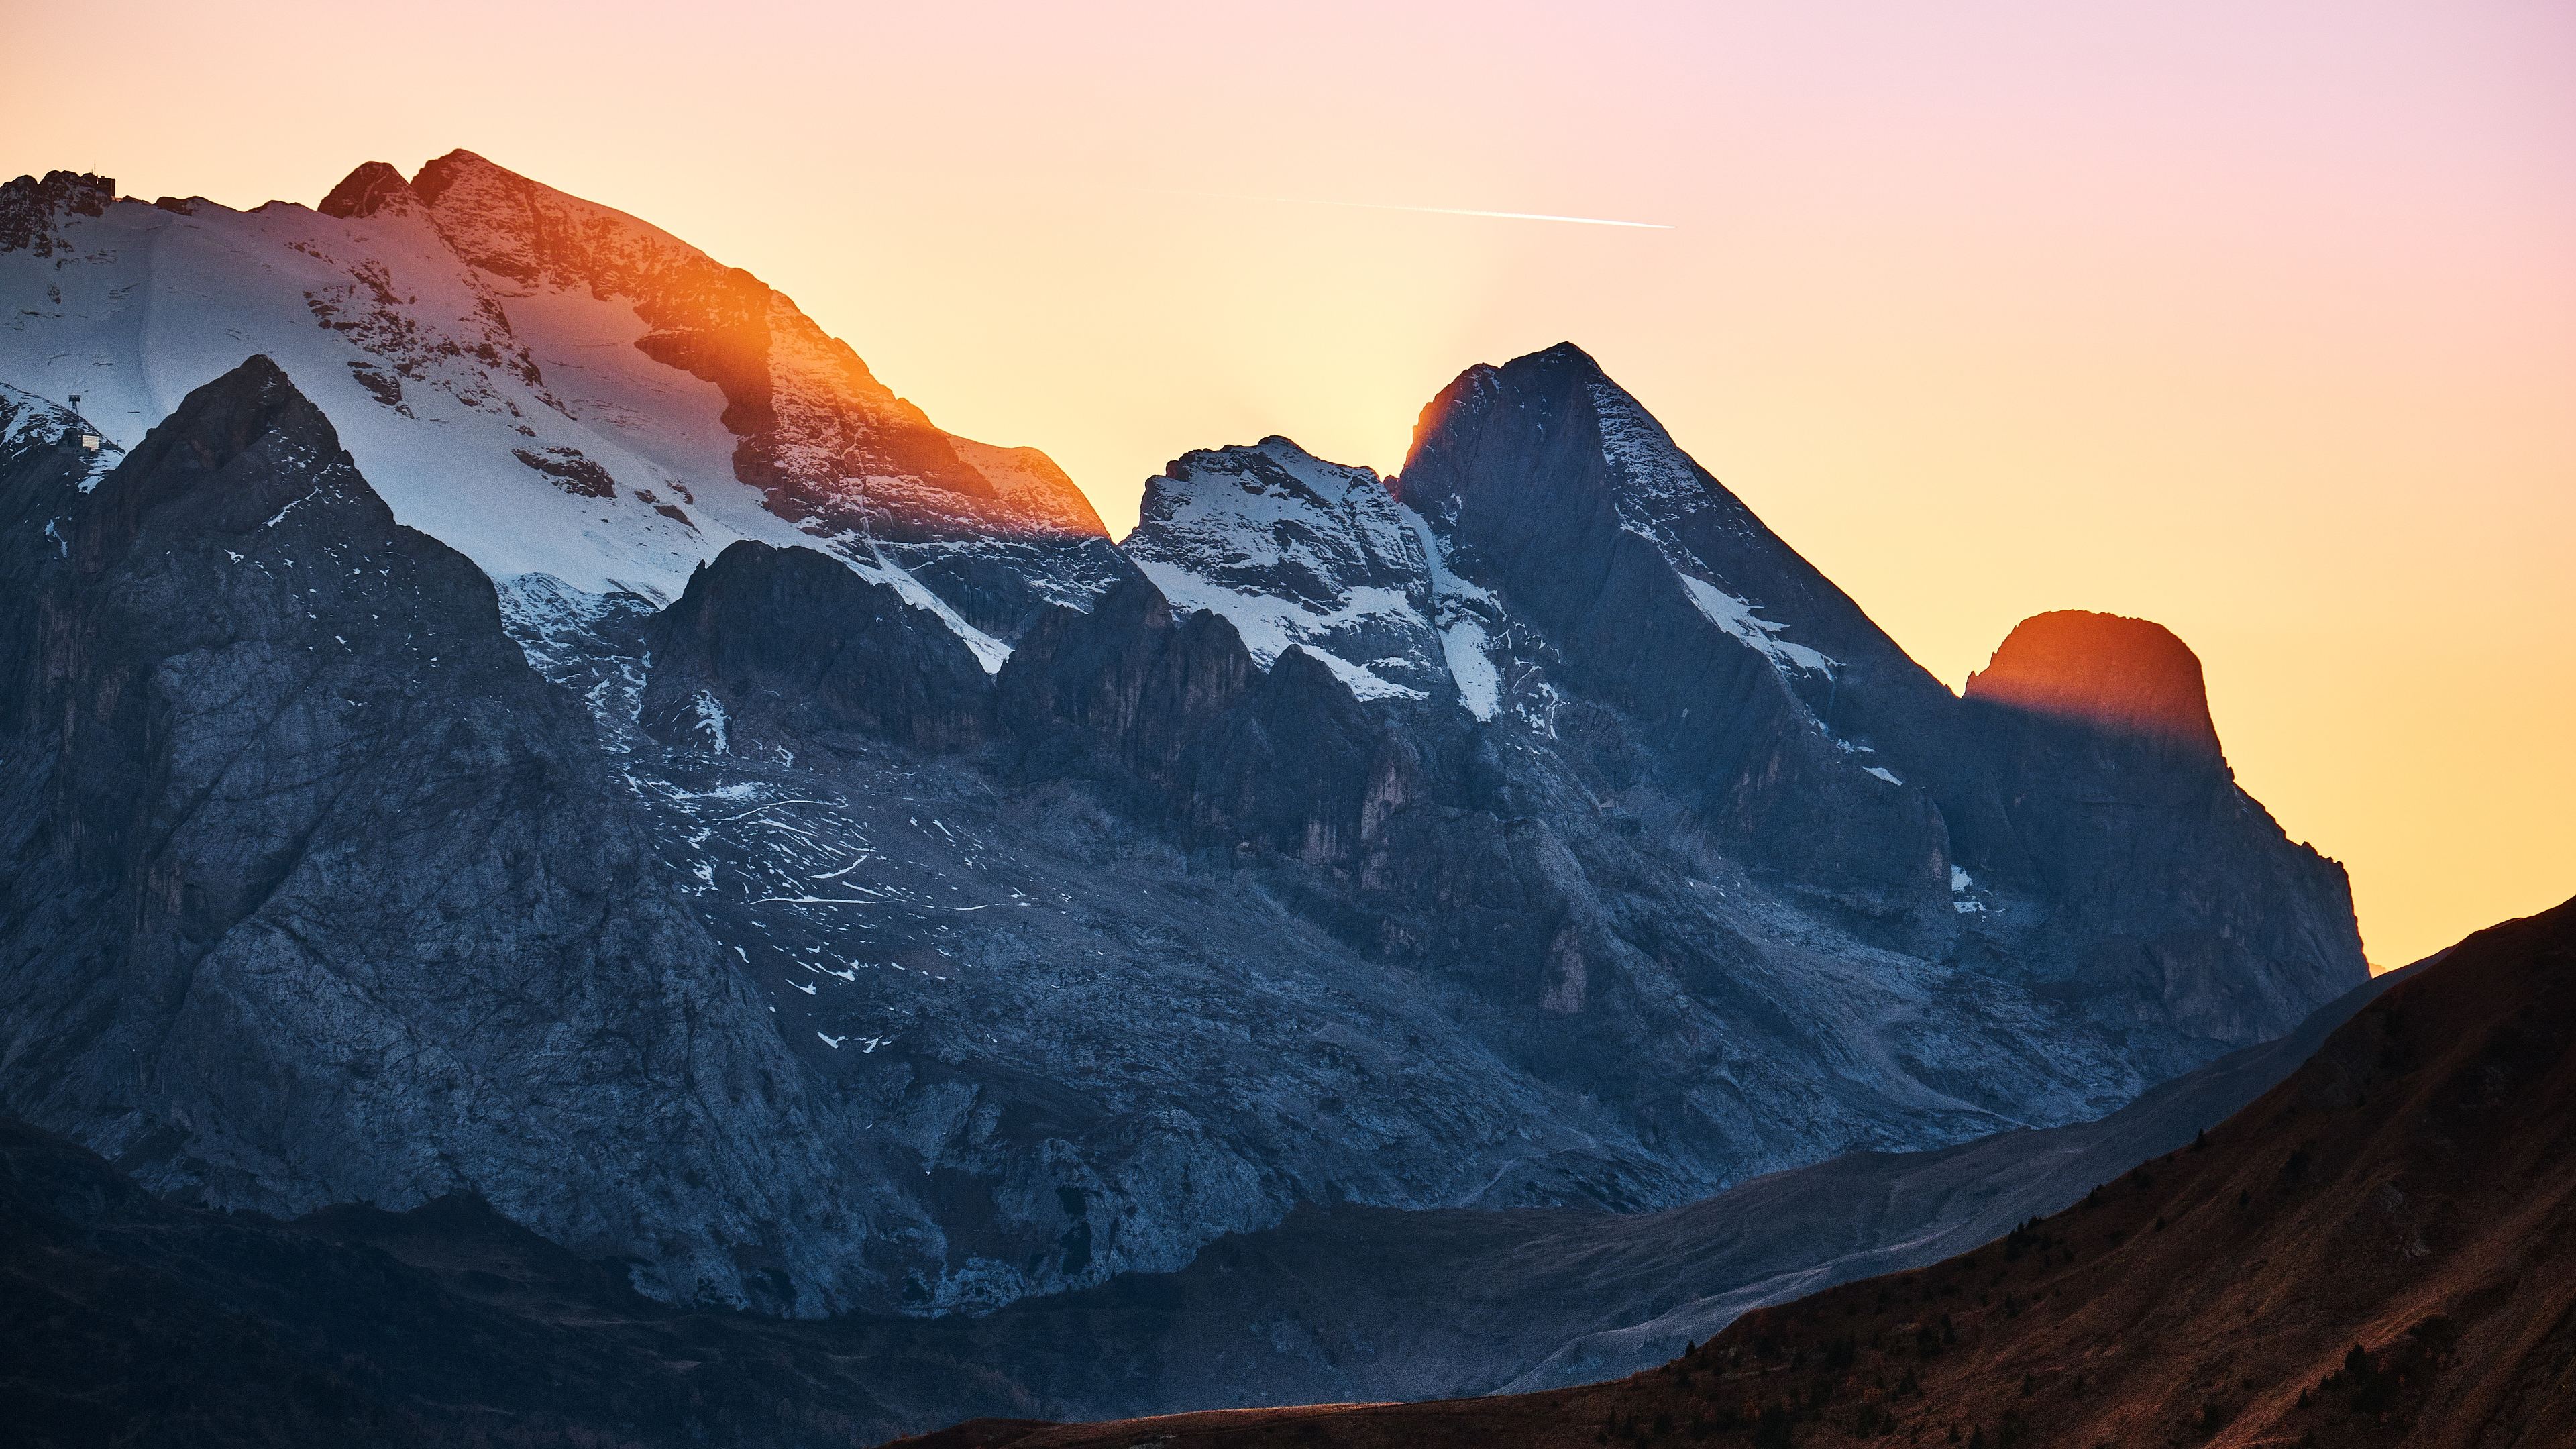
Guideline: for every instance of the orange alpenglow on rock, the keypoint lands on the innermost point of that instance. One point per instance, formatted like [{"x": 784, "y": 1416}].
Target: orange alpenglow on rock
[{"x": 2130, "y": 676}]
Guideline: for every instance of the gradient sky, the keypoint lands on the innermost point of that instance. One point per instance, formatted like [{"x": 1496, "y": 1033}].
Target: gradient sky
[{"x": 2257, "y": 320}]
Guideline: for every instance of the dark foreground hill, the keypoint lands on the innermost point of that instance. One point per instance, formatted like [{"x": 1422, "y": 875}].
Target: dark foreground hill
[{"x": 2382, "y": 1250}]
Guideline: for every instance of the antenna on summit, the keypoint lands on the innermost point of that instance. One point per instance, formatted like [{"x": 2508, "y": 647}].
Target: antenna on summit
[{"x": 88, "y": 439}]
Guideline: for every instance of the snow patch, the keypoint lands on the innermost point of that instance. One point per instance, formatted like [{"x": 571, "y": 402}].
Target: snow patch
[
  {"x": 1737, "y": 617},
  {"x": 1464, "y": 643},
  {"x": 1295, "y": 552},
  {"x": 990, "y": 652},
  {"x": 708, "y": 718},
  {"x": 1480, "y": 684},
  {"x": 1271, "y": 625}
]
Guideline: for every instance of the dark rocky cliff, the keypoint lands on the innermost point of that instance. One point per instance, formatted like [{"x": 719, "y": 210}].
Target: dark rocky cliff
[
  {"x": 317, "y": 893},
  {"x": 2079, "y": 789},
  {"x": 787, "y": 643},
  {"x": 1558, "y": 489},
  {"x": 2170, "y": 886}
]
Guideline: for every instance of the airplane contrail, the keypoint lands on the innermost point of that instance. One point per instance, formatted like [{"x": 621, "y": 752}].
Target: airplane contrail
[{"x": 1438, "y": 210}]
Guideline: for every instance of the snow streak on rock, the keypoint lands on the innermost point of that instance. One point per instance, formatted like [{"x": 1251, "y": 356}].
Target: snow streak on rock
[{"x": 1661, "y": 485}]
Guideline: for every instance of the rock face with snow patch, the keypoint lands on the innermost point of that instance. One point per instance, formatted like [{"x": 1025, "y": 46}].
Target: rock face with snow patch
[
  {"x": 1295, "y": 552},
  {"x": 31, "y": 211},
  {"x": 318, "y": 894},
  {"x": 767, "y": 631}
]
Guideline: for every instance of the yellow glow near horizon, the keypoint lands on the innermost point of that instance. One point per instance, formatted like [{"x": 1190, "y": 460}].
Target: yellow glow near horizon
[{"x": 2256, "y": 321}]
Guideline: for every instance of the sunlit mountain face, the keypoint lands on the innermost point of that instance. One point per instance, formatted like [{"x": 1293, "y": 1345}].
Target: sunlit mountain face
[
  {"x": 2128, "y": 676},
  {"x": 550, "y": 386}
]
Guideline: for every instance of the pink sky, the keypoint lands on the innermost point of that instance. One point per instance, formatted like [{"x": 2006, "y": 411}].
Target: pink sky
[{"x": 2258, "y": 320}]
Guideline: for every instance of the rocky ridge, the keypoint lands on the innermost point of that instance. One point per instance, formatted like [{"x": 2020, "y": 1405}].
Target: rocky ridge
[{"x": 635, "y": 403}]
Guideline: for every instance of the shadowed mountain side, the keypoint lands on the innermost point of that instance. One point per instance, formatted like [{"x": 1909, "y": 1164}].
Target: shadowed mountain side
[
  {"x": 1356, "y": 1303},
  {"x": 317, "y": 893},
  {"x": 419, "y": 1327},
  {"x": 2380, "y": 1250},
  {"x": 2129, "y": 880},
  {"x": 128, "y": 1319},
  {"x": 765, "y": 631}
]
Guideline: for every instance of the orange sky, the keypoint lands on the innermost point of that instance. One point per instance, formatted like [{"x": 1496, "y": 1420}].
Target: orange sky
[{"x": 2259, "y": 324}]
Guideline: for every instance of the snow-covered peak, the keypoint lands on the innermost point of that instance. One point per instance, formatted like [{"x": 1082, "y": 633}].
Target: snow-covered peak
[
  {"x": 833, "y": 444},
  {"x": 1295, "y": 551},
  {"x": 550, "y": 387},
  {"x": 1277, "y": 519},
  {"x": 503, "y": 223}
]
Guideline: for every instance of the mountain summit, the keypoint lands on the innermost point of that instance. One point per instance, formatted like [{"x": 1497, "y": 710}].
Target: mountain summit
[{"x": 2129, "y": 676}]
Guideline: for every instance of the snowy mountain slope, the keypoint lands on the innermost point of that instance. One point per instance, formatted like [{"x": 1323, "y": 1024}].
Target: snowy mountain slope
[
  {"x": 833, "y": 445},
  {"x": 548, "y": 386}
]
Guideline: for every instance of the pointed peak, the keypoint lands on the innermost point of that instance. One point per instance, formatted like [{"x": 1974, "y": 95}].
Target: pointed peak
[
  {"x": 252, "y": 412},
  {"x": 2130, "y": 676},
  {"x": 366, "y": 191},
  {"x": 435, "y": 177},
  {"x": 1557, "y": 403},
  {"x": 1563, "y": 354},
  {"x": 1559, "y": 377},
  {"x": 227, "y": 417}
]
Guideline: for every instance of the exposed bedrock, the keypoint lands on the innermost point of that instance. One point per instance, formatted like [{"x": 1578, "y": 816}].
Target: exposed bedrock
[{"x": 317, "y": 893}]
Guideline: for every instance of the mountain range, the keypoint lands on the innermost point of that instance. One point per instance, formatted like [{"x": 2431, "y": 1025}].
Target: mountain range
[{"x": 494, "y": 702}]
